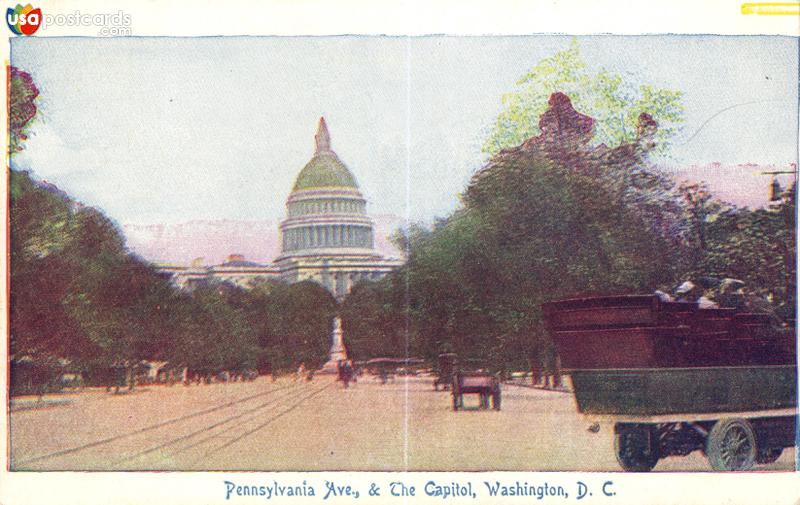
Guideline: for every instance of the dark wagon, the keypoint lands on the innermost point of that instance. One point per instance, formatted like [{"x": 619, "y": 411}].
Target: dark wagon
[
  {"x": 674, "y": 378},
  {"x": 485, "y": 385}
]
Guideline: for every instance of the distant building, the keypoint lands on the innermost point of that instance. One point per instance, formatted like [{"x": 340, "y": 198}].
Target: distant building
[{"x": 327, "y": 236}]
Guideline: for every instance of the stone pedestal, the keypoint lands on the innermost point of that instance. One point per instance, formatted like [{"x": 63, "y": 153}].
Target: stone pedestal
[{"x": 337, "y": 352}]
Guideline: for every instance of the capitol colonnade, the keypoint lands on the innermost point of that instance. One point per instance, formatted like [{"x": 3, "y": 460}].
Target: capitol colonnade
[{"x": 316, "y": 235}]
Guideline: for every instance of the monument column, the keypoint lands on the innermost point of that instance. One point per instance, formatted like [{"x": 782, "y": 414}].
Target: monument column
[{"x": 337, "y": 352}]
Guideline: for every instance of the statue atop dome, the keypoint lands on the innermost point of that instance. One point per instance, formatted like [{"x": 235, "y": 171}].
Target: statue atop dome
[{"x": 322, "y": 138}]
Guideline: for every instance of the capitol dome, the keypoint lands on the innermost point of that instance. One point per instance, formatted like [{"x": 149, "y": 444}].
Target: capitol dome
[
  {"x": 326, "y": 237},
  {"x": 326, "y": 213},
  {"x": 325, "y": 170}
]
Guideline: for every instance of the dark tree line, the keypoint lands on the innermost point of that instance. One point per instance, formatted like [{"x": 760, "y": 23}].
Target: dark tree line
[{"x": 80, "y": 300}]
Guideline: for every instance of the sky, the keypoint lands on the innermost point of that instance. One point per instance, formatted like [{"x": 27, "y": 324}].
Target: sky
[{"x": 171, "y": 130}]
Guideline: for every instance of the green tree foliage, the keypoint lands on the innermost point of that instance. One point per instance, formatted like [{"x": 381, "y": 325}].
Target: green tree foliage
[
  {"x": 758, "y": 247},
  {"x": 613, "y": 101},
  {"x": 42, "y": 224},
  {"x": 219, "y": 336},
  {"x": 374, "y": 320},
  {"x": 22, "y": 93},
  {"x": 293, "y": 323},
  {"x": 76, "y": 293}
]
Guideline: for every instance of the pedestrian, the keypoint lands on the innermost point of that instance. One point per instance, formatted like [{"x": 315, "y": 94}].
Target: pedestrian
[{"x": 347, "y": 374}]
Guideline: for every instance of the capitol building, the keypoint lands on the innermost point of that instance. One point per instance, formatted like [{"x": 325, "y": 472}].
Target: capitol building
[{"x": 327, "y": 236}]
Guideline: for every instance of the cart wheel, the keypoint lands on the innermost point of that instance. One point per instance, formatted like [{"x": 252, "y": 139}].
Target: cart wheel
[
  {"x": 731, "y": 445},
  {"x": 633, "y": 450},
  {"x": 768, "y": 455},
  {"x": 496, "y": 400}
]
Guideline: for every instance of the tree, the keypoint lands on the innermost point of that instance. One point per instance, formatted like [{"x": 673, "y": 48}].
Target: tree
[
  {"x": 758, "y": 247},
  {"x": 373, "y": 320},
  {"x": 612, "y": 101},
  {"x": 22, "y": 92},
  {"x": 292, "y": 323},
  {"x": 222, "y": 338},
  {"x": 76, "y": 292},
  {"x": 42, "y": 227}
]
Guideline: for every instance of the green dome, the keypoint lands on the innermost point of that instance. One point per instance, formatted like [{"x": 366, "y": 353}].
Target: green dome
[{"x": 323, "y": 171}]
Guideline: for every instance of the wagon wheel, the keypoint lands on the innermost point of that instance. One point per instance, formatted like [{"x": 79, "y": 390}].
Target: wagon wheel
[
  {"x": 767, "y": 455},
  {"x": 496, "y": 400},
  {"x": 633, "y": 450},
  {"x": 731, "y": 445}
]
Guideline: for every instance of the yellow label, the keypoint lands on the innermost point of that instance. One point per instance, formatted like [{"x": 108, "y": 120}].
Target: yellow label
[{"x": 772, "y": 8}]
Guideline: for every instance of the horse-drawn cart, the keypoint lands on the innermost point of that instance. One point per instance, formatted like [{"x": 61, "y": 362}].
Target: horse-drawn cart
[
  {"x": 486, "y": 386},
  {"x": 674, "y": 378}
]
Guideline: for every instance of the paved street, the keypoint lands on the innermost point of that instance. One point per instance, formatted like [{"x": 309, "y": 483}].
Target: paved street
[{"x": 288, "y": 425}]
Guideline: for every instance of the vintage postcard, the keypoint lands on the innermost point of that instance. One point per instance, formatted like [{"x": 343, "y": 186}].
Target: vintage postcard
[{"x": 399, "y": 268}]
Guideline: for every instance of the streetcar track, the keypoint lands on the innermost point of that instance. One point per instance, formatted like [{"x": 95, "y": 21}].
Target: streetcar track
[
  {"x": 203, "y": 430},
  {"x": 262, "y": 425},
  {"x": 145, "y": 429}
]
